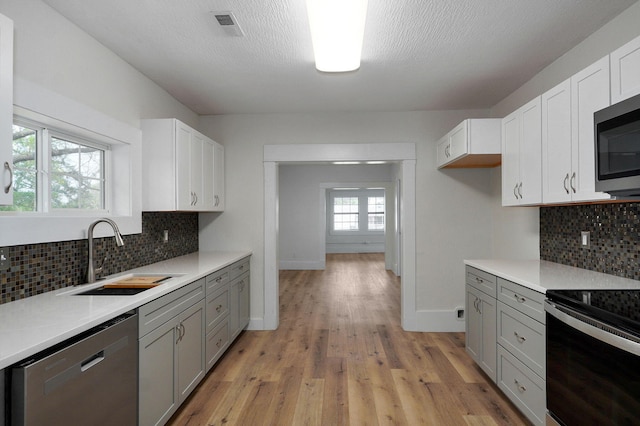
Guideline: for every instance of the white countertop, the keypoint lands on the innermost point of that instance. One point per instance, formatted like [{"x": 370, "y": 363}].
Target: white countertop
[
  {"x": 540, "y": 275},
  {"x": 30, "y": 325}
]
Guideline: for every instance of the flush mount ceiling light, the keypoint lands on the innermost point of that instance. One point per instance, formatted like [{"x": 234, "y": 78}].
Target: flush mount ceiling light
[{"x": 337, "y": 30}]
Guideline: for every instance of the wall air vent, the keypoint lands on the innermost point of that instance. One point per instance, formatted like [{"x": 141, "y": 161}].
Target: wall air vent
[{"x": 228, "y": 23}]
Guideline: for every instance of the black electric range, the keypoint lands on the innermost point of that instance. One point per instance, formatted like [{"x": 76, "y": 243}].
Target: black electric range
[{"x": 618, "y": 308}]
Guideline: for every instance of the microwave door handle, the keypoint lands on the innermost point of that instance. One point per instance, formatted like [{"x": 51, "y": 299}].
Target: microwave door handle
[{"x": 593, "y": 331}]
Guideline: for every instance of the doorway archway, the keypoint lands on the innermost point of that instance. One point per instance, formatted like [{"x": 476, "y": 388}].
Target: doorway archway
[{"x": 402, "y": 153}]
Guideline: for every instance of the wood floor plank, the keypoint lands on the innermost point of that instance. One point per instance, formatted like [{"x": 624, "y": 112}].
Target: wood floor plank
[
  {"x": 463, "y": 364},
  {"x": 341, "y": 357},
  {"x": 361, "y": 400},
  {"x": 419, "y": 406},
  {"x": 309, "y": 404},
  {"x": 387, "y": 401},
  {"x": 335, "y": 404}
]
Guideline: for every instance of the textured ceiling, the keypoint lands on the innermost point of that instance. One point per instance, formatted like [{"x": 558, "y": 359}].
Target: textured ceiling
[{"x": 417, "y": 54}]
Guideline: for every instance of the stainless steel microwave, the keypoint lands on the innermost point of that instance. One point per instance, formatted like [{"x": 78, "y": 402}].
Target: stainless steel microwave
[{"x": 617, "y": 148}]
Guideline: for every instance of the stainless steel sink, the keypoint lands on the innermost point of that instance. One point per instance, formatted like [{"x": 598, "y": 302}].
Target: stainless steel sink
[
  {"x": 104, "y": 291},
  {"x": 122, "y": 285}
]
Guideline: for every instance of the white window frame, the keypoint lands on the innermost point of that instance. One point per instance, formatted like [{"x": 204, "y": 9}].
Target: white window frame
[
  {"x": 43, "y": 170},
  {"x": 39, "y": 105},
  {"x": 363, "y": 195}
]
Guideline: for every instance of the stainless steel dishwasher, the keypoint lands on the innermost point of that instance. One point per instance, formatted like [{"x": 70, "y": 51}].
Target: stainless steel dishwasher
[{"x": 90, "y": 379}]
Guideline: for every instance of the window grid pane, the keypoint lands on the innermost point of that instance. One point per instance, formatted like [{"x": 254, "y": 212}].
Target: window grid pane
[
  {"x": 77, "y": 176},
  {"x": 375, "y": 218},
  {"x": 345, "y": 214}
]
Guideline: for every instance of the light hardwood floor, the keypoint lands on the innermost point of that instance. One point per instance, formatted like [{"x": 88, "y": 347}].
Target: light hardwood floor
[{"x": 340, "y": 357}]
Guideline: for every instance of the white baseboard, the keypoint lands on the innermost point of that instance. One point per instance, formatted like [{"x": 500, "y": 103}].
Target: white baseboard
[
  {"x": 256, "y": 324},
  {"x": 433, "y": 321},
  {"x": 303, "y": 265}
]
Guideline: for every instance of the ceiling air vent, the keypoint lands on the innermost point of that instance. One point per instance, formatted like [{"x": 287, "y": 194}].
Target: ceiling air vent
[{"x": 228, "y": 23}]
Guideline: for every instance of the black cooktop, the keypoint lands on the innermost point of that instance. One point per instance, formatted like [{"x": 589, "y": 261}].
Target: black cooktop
[{"x": 619, "y": 308}]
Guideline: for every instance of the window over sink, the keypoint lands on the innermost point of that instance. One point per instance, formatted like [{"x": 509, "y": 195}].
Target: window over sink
[{"x": 56, "y": 171}]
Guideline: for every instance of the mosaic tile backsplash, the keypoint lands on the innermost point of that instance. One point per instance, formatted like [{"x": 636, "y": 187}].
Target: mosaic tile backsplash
[
  {"x": 38, "y": 268},
  {"x": 615, "y": 237}
]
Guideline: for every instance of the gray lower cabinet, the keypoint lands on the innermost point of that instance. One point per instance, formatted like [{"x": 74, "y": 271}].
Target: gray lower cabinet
[
  {"x": 227, "y": 308},
  {"x": 481, "y": 320},
  {"x": 183, "y": 334},
  {"x": 521, "y": 348},
  {"x": 239, "y": 300},
  {"x": 171, "y": 356},
  {"x": 505, "y": 336}
]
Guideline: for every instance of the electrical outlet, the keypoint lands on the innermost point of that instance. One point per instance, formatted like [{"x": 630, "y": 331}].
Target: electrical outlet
[
  {"x": 585, "y": 239},
  {"x": 166, "y": 236},
  {"x": 5, "y": 263}
]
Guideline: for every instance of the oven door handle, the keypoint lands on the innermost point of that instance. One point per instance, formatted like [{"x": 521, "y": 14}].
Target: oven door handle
[{"x": 599, "y": 330}]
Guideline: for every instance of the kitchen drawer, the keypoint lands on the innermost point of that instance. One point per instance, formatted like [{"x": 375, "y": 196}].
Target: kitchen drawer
[
  {"x": 238, "y": 268},
  {"x": 217, "y": 342},
  {"x": 161, "y": 310},
  {"x": 481, "y": 280},
  {"x": 522, "y": 386},
  {"x": 217, "y": 307},
  {"x": 523, "y": 336},
  {"x": 217, "y": 280},
  {"x": 523, "y": 299}
]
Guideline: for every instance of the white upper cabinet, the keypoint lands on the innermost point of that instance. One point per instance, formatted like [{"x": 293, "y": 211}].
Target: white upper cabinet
[
  {"x": 473, "y": 143},
  {"x": 178, "y": 168},
  {"x": 568, "y": 153},
  {"x": 589, "y": 93},
  {"x": 218, "y": 177},
  {"x": 625, "y": 71},
  {"x": 6, "y": 111},
  {"x": 557, "y": 178},
  {"x": 521, "y": 156}
]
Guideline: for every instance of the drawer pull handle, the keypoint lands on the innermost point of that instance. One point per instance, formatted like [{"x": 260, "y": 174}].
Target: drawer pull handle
[
  {"x": 218, "y": 308},
  {"x": 520, "y": 338},
  {"x": 519, "y": 299},
  {"x": 218, "y": 279},
  {"x": 479, "y": 280},
  {"x": 521, "y": 388},
  {"x": 219, "y": 343}
]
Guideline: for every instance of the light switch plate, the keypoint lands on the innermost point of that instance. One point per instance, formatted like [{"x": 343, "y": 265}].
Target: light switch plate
[
  {"x": 585, "y": 237},
  {"x": 5, "y": 262}
]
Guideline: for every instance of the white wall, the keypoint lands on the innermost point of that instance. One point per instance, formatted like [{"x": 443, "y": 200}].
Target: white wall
[
  {"x": 516, "y": 229},
  {"x": 51, "y": 52},
  {"x": 302, "y": 244},
  {"x": 453, "y": 207}
]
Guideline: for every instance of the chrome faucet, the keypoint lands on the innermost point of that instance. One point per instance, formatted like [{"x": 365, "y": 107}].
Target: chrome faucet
[{"x": 91, "y": 269}]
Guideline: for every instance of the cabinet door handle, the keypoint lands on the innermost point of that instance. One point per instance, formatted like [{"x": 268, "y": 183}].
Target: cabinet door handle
[
  {"x": 519, "y": 299},
  {"x": 520, "y": 190},
  {"x": 179, "y": 334},
  {"x": 521, "y": 388},
  {"x": 196, "y": 198},
  {"x": 572, "y": 182},
  {"x": 566, "y": 179},
  {"x": 520, "y": 338},
  {"x": 7, "y": 167},
  {"x": 515, "y": 189}
]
